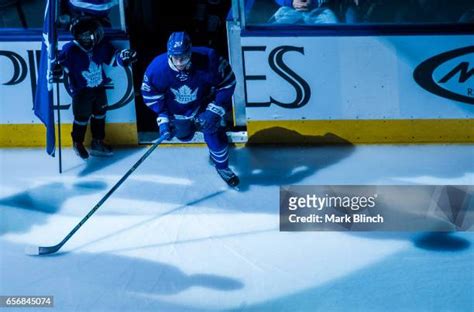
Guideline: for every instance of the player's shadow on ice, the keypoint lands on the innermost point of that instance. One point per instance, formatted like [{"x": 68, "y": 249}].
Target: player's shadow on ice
[
  {"x": 94, "y": 164},
  {"x": 46, "y": 199},
  {"x": 441, "y": 241},
  {"x": 114, "y": 275},
  {"x": 431, "y": 241},
  {"x": 293, "y": 159},
  {"x": 432, "y": 220}
]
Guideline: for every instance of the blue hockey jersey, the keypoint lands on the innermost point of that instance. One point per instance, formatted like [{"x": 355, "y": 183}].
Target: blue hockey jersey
[
  {"x": 84, "y": 69},
  {"x": 181, "y": 95}
]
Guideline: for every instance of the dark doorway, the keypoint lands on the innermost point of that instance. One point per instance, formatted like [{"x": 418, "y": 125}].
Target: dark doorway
[{"x": 150, "y": 23}]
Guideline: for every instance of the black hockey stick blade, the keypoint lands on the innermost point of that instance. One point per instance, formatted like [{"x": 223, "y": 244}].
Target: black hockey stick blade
[{"x": 38, "y": 250}]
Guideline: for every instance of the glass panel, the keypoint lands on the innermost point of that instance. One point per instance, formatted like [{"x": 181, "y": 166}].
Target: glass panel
[
  {"x": 21, "y": 14},
  {"x": 394, "y": 12},
  {"x": 29, "y": 14}
]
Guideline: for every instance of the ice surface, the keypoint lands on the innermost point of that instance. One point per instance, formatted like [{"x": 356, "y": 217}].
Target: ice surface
[{"x": 175, "y": 238}]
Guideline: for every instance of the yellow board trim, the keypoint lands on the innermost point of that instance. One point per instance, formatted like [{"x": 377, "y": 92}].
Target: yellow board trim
[
  {"x": 34, "y": 135},
  {"x": 280, "y": 132},
  {"x": 362, "y": 131}
]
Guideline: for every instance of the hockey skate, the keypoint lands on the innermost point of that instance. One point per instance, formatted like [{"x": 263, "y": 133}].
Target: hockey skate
[
  {"x": 80, "y": 150},
  {"x": 99, "y": 148},
  {"x": 229, "y": 177}
]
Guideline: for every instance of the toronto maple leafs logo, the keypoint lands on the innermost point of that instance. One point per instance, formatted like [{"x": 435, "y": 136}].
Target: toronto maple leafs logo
[
  {"x": 93, "y": 75},
  {"x": 184, "y": 95}
]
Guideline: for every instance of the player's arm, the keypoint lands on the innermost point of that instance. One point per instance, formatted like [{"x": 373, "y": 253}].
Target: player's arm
[
  {"x": 154, "y": 97},
  {"x": 225, "y": 84},
  {"x": 153, "y": 94},
  {"x": 122, "y": 57},
  {"x": 60, "y": 66},
  {"x": 126, "y": 57}
]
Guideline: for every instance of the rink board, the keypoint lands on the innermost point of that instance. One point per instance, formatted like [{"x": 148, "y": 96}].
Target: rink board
[
  {"x": 34, "y": 135},
  {"x": 20, "y": 127},
  {"x": 365, "y": 89},
  {"x": 362, "y": 131}
]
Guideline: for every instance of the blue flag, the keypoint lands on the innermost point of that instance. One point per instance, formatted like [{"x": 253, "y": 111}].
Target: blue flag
[{"x": 43, "y": 106}]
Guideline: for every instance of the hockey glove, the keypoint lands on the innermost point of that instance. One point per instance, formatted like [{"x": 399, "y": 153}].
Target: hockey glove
[
  {"x": 164, "y": 125},
  {"x": 127, "y": 57},
  {"x": 210, "y": 120},
  {"x": 57, "y": 72}
]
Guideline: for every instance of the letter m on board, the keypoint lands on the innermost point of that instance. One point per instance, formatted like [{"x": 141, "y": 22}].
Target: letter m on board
[{"x": 464, "y": 73}]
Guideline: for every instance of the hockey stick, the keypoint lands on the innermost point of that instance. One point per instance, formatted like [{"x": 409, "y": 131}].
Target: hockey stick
[{"x": 40, "y": 250}]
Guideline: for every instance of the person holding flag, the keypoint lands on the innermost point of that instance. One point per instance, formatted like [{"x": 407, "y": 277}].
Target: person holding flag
[{"x": 82, "y": 59}]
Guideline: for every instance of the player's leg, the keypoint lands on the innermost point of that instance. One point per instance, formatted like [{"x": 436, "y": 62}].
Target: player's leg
[
  {"x": 82, "y": 109},
  {"x": 219, "y": 154},
  {"x": 98, "y": 147}
]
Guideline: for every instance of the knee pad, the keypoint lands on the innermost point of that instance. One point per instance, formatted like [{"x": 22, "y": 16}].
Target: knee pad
[{"x": 184, "y": 129}]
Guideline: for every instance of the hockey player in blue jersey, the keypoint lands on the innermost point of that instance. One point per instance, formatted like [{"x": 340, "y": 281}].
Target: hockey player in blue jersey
[
  {"x": 190, "y": 89},
  {"x": 82, "y": 60}
]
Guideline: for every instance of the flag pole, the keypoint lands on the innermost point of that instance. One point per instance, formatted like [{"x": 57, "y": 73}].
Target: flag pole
[
  {"x": 59, "y": 128},
  {"x": 58, "y": 104}
]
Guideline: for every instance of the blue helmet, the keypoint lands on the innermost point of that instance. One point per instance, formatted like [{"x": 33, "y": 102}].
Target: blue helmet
[{"x": 179, "y": 44}]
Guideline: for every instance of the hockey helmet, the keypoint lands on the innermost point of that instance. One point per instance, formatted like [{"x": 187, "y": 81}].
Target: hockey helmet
[
  {"x": 87, "y": 32},
  {"x": 179, "y": 51},
  {"x": 179, "y": 44}
]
